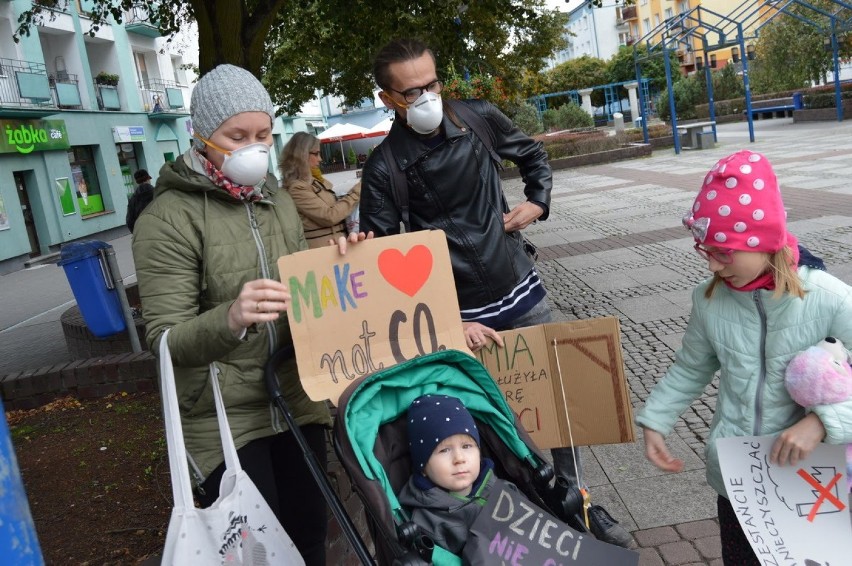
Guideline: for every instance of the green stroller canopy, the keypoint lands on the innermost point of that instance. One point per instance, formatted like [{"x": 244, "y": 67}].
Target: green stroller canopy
[{"x": 386, "y": 395}]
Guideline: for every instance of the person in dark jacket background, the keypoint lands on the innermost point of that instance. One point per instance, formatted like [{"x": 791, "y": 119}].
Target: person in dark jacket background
[
  {"x": 453, "y": 184},
  {"x": 142, "y": 197}
]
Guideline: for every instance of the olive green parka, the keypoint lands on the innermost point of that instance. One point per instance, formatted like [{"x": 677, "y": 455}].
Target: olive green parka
[{"x": 195, "y": 246}]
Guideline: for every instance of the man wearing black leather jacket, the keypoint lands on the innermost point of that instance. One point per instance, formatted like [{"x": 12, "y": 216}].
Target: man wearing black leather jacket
[{"x": 452, "y": 181}]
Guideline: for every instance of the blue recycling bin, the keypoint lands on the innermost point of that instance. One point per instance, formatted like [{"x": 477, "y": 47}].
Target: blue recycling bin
[
  {"x": 18, "y": 540},
  {"x": 88, "y": 275}
]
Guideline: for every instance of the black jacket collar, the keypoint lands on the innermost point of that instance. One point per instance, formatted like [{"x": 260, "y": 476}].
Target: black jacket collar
[{"x": 407, "y": 145}]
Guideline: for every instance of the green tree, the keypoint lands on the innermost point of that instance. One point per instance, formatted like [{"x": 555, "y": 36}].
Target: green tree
[
  {"x": 727, "y": 83},
  {"x": 566, "y": 117},
  {"x": 526, "y": 118},
  {"x": 334, "y": 52},
  {"x": 575, "y": 74},
  {"x": 622, "y": 68},
  {"x": 301, "y": 47},
  {"x": 688, "y": 93},
  {"x": 229, "y": 31},
  {"x": 484, "y": 87},
  {"x": 790, "y": 52}
]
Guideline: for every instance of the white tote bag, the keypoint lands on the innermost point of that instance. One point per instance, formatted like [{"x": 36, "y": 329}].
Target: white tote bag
[{"x": 239, "y": 528}]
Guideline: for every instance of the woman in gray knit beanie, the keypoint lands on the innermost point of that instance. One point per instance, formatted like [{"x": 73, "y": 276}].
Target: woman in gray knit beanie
[{"x": 205, "y": 251}]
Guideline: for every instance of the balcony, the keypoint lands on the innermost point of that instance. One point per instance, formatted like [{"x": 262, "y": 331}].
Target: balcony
[
  {"x": 25, "y": 90},
  {"x": 108, "y": 97},
  {"x": 686, "y": 58},
  {"x": 141, "y": 22},
  {"x": 628, "y": 13},
  {"x": 164, "y": 100},
  {"x": 66, "y": 91}
]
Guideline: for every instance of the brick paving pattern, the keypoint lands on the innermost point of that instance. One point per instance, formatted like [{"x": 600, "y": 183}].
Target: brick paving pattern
[{"x": 613, "y": 246}]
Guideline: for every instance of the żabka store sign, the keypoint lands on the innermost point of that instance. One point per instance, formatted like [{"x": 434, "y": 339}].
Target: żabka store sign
[{"x": 27, "y": 136}]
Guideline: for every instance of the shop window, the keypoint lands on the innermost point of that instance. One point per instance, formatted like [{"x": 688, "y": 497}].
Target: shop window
[
  {"x": 129, "y": 165},
  {"x": 85, "y": 175}
]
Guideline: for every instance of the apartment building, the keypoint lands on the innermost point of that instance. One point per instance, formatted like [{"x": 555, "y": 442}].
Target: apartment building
[
  {"x": 651, "y": 19},
  {"x": 596, "y": 32},
  {"x": 79, "y": 114}
]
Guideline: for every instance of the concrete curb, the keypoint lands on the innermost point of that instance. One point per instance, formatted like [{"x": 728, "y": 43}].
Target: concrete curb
[{"x": 90, "y": 378}]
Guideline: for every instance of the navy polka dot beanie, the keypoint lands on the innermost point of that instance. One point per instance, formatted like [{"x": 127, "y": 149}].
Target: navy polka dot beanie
[{"x": 433, "y": 418}]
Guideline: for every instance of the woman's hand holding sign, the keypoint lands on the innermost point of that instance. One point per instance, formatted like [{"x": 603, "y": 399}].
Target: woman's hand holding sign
[{"x": 261, "y": 300}]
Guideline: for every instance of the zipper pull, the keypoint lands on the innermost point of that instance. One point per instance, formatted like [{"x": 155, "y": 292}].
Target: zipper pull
[{"x": 252, "y": 215}]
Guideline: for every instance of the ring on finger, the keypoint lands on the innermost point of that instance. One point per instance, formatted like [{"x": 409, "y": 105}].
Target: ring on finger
[{"x": 257, "y": 306}]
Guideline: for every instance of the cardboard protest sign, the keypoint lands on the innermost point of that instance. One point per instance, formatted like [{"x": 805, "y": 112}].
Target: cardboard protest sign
[
  {"x": 789, "y": 512},
  {"x": 386, "y": 301},
  {"x": 565, "y": 373},
  {"x": 510, "y": 529}
]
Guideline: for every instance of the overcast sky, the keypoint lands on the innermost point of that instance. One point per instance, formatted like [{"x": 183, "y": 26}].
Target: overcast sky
[{"x": 562, "y": 5}]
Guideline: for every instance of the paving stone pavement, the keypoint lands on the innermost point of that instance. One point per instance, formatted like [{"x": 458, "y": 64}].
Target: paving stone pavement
[{"x": 613, "y": 246}]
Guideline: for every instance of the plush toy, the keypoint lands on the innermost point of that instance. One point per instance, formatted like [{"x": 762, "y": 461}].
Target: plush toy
[{"x": 821, "y": 375}]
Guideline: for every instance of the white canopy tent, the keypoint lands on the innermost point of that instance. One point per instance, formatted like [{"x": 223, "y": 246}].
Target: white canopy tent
[
  {"x": 380, "y": 129},
  {"x": 341, "y": 132}
]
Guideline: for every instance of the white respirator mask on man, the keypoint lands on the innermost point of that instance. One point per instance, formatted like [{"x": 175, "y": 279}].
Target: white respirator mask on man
[{"x": 424, "y": 115}]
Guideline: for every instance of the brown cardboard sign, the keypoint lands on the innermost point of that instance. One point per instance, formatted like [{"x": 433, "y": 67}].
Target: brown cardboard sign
[
  {"x": 544, "y": 370},
  {"x": 386, "y": 301}
]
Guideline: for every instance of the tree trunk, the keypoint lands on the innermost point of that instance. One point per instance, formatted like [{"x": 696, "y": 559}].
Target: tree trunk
[{"x": 227, "y": 33}]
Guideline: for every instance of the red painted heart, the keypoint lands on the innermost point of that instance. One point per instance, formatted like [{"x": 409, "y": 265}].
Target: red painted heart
[{"x": 406, "y": 272}]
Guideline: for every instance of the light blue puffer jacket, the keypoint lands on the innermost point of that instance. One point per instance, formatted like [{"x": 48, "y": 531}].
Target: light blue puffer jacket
[{"x": 751, "y": 337}]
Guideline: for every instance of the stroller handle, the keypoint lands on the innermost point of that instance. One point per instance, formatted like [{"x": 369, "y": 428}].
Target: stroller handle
[
  {"x": 270, "y": 379},
  {"x": 273, "y": 389}
]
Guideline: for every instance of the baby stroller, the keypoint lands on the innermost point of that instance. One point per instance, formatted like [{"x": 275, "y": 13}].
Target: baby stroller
[{"x": 370, "y": 438}]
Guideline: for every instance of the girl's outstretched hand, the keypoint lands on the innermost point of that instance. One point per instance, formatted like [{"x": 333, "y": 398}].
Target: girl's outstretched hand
[
  {"x": 797, "y": 442},
  {"x": 343, "y": 242},
  {"x": 658, "y": 453}
]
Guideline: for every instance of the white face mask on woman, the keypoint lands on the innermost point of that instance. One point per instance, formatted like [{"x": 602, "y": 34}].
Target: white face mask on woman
[
  {"x": 424, "y": 115},
  {"x": 246, "y": 165}
]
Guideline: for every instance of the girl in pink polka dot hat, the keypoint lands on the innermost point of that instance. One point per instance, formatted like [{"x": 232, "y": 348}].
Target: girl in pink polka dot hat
[{"x": 764, "y": 303}]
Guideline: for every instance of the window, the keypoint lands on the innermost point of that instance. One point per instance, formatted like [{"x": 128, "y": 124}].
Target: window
[
  {"x": 656, "y": 20},
  {"x": 85, "y": 176},
  {"x": 141, "y": 68},
  {"x": 646, "y": 25},
  {"x": 129, "y": 164},
  {"x": 669, "y": 13},
  {"x": 177, "y": 70}
]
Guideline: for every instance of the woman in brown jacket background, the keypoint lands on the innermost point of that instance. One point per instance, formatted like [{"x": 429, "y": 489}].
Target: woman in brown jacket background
[{"x": 323, "y": 213}]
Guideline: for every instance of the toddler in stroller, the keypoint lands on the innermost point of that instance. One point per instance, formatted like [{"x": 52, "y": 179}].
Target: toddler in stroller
[{"x": 371, "y": 440}]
